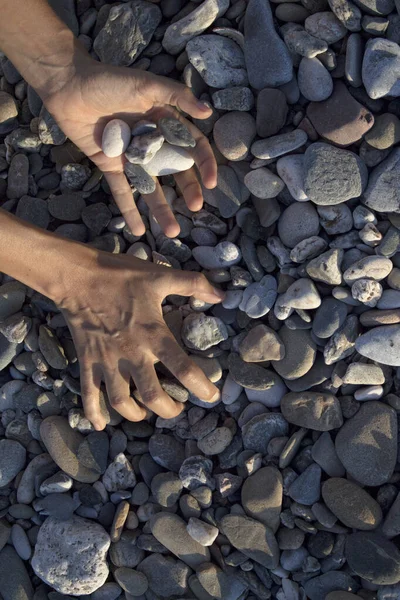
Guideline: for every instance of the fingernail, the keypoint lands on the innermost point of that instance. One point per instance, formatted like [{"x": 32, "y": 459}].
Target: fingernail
[
  {"x": 219, "y": 293},
  {"x": 216, "y": 396},
  {"x": 203, "y": 105}
]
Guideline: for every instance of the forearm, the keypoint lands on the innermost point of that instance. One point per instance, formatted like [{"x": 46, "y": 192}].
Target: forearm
[
  {"x": 54, "y": 266},
  {"x": 39, "y": 44}
]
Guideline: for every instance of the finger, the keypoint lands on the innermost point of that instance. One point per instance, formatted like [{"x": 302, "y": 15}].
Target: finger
[
  {"x": 162, "y": 211},
  {"x": 151, "y": 393},
  {"x": 187, "y": 283},
  {"x": 123, "y": 197},
  {"x": 191, "y": 189},
  {"x": 202, "y": 153},
  {"x": 90, "y": 392},
  {"x": 185, "y": 370},
  {"x": 119, "y": 396},
  {"x": 167, "y": 91}
]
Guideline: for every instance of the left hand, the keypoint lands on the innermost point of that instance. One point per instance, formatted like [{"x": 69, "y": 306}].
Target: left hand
[{"x": 97, "y": 93}]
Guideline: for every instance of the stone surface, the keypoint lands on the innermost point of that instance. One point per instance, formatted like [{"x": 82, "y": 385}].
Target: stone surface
[
  {"x": 54, "y": 560},
  {"x": 381, "y": 67},
  {"x": 340, "y": 119},
  {"x": 320, "y": 412},
  {"x": 63, "y": 443},
  {"x": 373, "y": 557},
  {"x": 352, "y": 505},
  {"x": 219, "y": 60},
  {"x": 268, "y": 60},
  {"x": 252, "y": 538},
  {"x": 170, "y": 530},
  {"x": 350, "y": 174},
  {"x": 382, "y": 192},
  {"x": 12, "y": 460},
  {"x": 262, "y": 496},
  {"x": 127, "y": 32},
  {"x": 368, "y": 463}
]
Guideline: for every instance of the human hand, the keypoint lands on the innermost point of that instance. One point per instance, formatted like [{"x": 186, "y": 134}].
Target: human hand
[
  {"x": 115, "y": 317},
  {"x": 97, "y": 93}
]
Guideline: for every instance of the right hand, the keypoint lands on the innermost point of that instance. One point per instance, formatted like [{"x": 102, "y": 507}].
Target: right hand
[{"x": 115, "y": 317}]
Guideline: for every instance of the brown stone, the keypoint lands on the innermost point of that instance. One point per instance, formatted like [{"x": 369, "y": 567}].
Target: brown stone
[
  {"x": 390, "y": 316},
  {"x": 340, "y": 119},
  {"x": 260, "y": 344},
  {"x": 120, "y": 517}
]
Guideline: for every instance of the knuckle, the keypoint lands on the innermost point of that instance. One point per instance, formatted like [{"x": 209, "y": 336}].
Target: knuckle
[
  {"x": 151, "y": 396},
  {"x": 117, "y": 400}
]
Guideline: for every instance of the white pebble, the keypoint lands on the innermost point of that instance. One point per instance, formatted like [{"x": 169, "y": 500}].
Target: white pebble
[{"x": 116, "y": 138}]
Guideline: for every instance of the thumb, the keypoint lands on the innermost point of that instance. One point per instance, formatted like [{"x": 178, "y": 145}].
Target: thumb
[
  {"x": 167, "y": 91},
  {"x": 185, "y": 283}
]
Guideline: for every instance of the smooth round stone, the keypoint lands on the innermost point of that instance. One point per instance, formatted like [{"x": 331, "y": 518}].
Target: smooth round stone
[
  {"x": 131, "y": 581},
  {"x": 268, "y": 60},
  {"x": 261, "y": 344},
  {"x": 272, "y": 111},
  {"x": 58, "y": 483},
  {"x": 203, "y": 237},
  {"x": 202, "y": 532},
  {"x": 381, "y": 68},
  {"x": 351, "y": 174},
  {"x": 301, "y": 42},
  {"x": 270, "y": 397},
  {"x": 20, "y": 542},
  {"x": 166, "y": 488},
  {"x": 56, "y": 544},
  {"x": 235, "y": 98},
  {"x": 63, "y": 444},
  {"x": 374, "y": 558},
  {"x": 15, "y": 582},
  {"x": 385, "y": 132},
  {"x": 166, "y": 575},
  {"x": 278, "y": 145},
  {"x": 370, "y": 267},
  {"x": 352, "y": 505},
  {"x": 108, "y": 591},
  {"x": 249, "y": 375},
  {"x": 116, "y": 138},
  {"x": 329, "y": 317},
  {"x": 263, "y": 183},
  {"x": 262, "y": 496},
  {"x": 291, "y": 170},
  {"x": 289, "y": 12},
  {"x": 261, "y": 429},
  {"x": 381, "y": 344},
  {"x": 223, "y": 255},
  {"x": 354, "y": 56},
  {"x": 382, "y": 193},
  {"x": 259, "y": 297},
  {"x": 298, "y": 222},
  {"x": 306, "y": 488},
  {"x": 316, "y": 411},
  {"x": 324, "y": 454},
  {"x": 300, "y": 352},
  {"x": 60, "y": 506},
  {"x": 367, "y": 463},
  {"x": 169, "y": 160},
  {"x": 325, "y": 26},
  {"x": 8, "y": 108},
  {"x": 315, "y": 81},
  {"x": 12, "y": 460},
  {"x": 252, "y": 538},
  {"x": 219, "y": 61},
  {"x": 389, "y": 299},
  {"x": 170, "y": 530},
  {"x": 234, "y": 133},
  {"x": 67, "y": 207},
  {"x": 340, "y": 119},
  {"x": 308, "y": 248},
  {"x": 376, "y": 7},
  {"x": 302, "y": 294},
  {"x": 318, "y": 587},
  {"x": 33, "y": 210}
]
